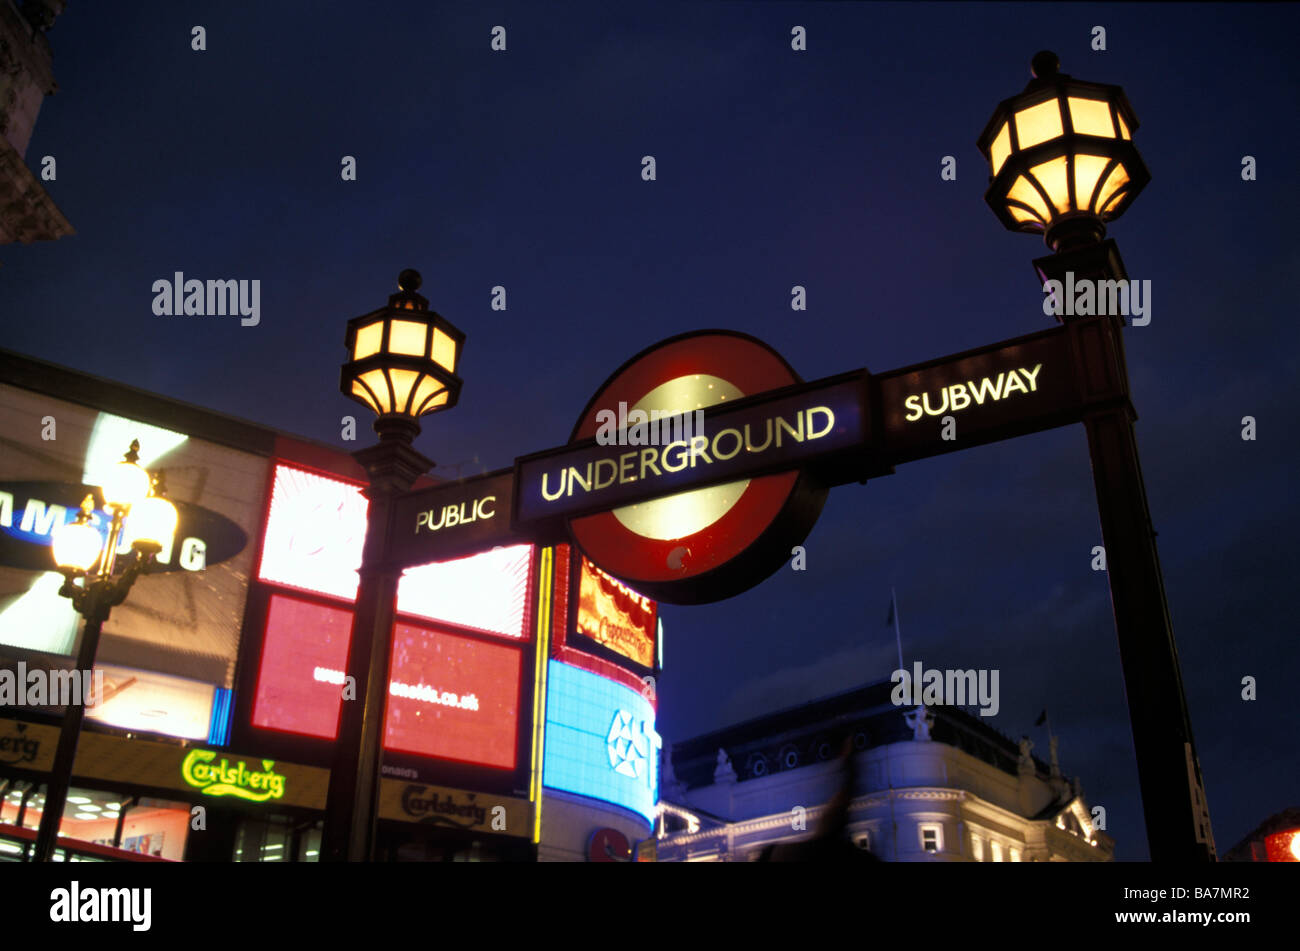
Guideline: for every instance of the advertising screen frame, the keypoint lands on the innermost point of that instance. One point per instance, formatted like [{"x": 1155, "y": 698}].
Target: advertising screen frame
[
  {"x": 397, "y": 765},
  {"x": 575, "y": 639},
  {"x": 392, "y": 756}
]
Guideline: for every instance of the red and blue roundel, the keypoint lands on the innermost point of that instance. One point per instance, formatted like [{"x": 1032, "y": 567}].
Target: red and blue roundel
[{"x": 709, "y": 543}]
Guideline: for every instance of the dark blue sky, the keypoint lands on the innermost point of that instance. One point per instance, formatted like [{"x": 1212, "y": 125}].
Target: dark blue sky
[{"x": 775, "y": 168}]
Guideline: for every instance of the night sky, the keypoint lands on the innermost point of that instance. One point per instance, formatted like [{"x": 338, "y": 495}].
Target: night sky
[{"x": 774, "y": 168}]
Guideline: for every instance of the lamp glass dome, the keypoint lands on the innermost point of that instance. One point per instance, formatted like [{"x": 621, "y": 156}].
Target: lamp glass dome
[
  {"x": 1061, "y": 150},
  {"x": 77, "y": 546},
  {"x": 152, "y": 524},
  {"x": 403, "y": 356},
  {"x": 125, "y": 484}
]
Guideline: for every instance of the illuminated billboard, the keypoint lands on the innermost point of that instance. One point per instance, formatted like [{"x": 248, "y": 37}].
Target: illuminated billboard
[
  {"x": 314, "y": 536},
  {"x": 612, "y": 615},
  {"x": 148, "y": 702},
  {"x": 485, "y": 592},
  {"x": 314, "y": 533},
  {"x": 600, "y": 740},
  {"x": 300, "y": 680},
  {"x": 453, "y": 697},
  {"x": 183, "y": 619},
  {"x": 449, "y": 697}
]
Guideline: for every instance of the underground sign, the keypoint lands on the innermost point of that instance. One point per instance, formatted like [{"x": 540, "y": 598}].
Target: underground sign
[{"x": 681, "y": 480}]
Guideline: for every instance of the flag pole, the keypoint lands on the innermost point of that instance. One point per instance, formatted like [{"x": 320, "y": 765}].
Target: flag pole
[{"x": 893, "y": 600}]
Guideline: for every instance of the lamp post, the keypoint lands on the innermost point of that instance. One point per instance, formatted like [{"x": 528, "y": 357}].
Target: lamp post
[
  {"x": 136, "y": 503},
  {"x": 1064, "y": 164},
  {"x": 402, "y": 365}
]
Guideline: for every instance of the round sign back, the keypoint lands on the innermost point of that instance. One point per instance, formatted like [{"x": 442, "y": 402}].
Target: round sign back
[{"x": 708, "y": 543}]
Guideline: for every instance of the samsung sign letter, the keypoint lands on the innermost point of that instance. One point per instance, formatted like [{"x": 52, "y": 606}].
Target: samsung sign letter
[
  {"x": 601, "y": 740},
  {"x": 31, "y": 512}
]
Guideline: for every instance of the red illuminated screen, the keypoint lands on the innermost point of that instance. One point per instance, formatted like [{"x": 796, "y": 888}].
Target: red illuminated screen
[
  {"x": 453, "y": 697},
  {"x": 450, "y": 697},
  {"x": 300, "y": 683}
]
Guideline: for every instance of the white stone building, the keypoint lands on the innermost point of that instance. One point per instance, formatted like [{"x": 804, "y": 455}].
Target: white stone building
[{"x": 944, "y": 787}]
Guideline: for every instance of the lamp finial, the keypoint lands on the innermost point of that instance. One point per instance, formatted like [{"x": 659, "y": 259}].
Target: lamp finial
[{"x": 1045, "y": 64}]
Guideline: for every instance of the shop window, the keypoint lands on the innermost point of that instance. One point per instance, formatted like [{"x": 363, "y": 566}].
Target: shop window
[
  {"x": 154, "y": 827},
  {"x": 277, "y": 839}
]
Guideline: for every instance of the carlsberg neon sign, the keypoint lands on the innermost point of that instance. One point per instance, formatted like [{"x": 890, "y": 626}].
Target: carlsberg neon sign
[{"x": 199, "y": 771}]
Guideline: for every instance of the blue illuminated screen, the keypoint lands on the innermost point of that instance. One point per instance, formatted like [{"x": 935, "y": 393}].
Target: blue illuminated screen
[{"x": 600, "y": 740}]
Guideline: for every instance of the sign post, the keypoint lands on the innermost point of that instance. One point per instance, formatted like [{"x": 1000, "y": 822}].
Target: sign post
[
  {"x": 640, "y": 508},
  {"x": 721, "y": 460}
]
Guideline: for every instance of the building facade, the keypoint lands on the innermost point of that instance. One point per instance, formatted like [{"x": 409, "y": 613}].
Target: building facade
[
  {"x": 927, "y": 784},
  {"x": 27, "y": 212},
  {"x": 520, "y": 712}
]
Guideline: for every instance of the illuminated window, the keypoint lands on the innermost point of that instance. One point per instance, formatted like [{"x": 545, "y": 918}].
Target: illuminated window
[
  {"x": 977, "y": 848},
  {"x": 1015, "y": 855},
  {"x": 995, "y": 848},
  {"x": 277, "y": 839},
  {"x": 156, "y": 827},
  {"x": 931, "y": 837}
]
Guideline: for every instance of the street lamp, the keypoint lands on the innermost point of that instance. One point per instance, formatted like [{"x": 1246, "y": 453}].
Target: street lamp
[
  {"x": 1062, "y": 157},
  {"x": 1062, "y": 164},
  {"x": 138, "y": 510},
  {"x": 402, "y": 362}
]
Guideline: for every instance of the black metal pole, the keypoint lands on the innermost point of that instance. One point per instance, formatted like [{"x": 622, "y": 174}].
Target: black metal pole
[
  {"x": 1169, "y": 772},
  {"x": 56, "y": 794},
  {"x": 121, "y": 820},
  {"x": 1173, "y": 797},
  {"x": 351, "y": 809}
]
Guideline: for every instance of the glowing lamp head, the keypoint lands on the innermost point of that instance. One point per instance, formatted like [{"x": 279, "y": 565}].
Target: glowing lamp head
[
  {"x": 126, "y": 483},
  {"x": 78, "y": 545},
  {"x": 1061, "y": 157},
  {"x": 402, "y": 361},
  {"x": 153, "y": 521}
]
